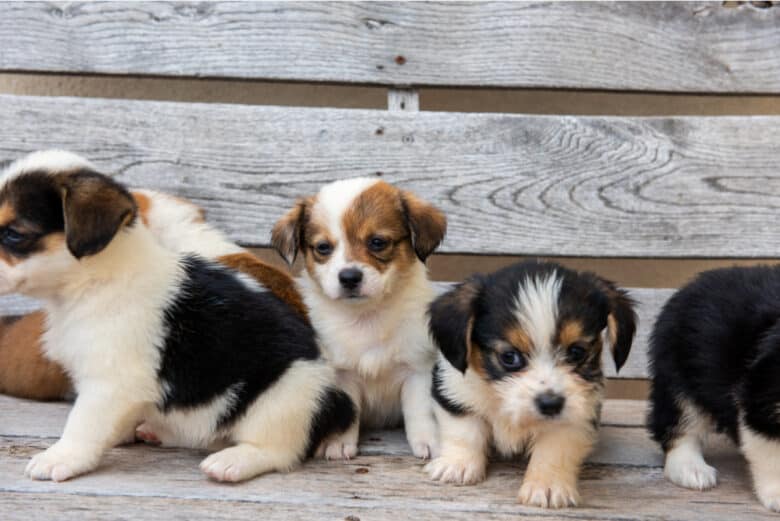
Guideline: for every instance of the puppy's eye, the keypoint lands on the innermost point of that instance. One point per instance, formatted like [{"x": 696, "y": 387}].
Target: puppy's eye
[
  {"x": 11, "y": 237},
  {"x": 511, "y": 360},
  {"x": 377, "y": 244},
  {"x": 576, "y": 353},
  {"x": 324, "y": 248}
]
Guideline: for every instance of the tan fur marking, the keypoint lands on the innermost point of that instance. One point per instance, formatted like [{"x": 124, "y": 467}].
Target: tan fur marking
[
  {"x": 570, "y": 333},
  {"x": 144, "y": 205},
  {"x": 612, "y": 329},
  {"x": 7, "y": 214},
  {"x": 378, "y": 211},
  {"x": 24, "y": 370},
  {"x": 519, "y": 339},
  {"x": 278, "y": 282}
]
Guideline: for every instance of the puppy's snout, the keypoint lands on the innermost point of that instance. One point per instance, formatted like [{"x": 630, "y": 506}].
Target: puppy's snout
[
  {"x": 550, "y": 403},
  {"x": 350, "y": 278}
]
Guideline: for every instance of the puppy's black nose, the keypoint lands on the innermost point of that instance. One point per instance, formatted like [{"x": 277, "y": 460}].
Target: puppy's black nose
[
  {"x": 549, "y": 403},
  {"x": 350, "y": 278}
]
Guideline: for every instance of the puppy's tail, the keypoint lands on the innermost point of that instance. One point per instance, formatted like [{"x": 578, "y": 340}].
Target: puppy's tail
[{"x": 24, "y": 371}]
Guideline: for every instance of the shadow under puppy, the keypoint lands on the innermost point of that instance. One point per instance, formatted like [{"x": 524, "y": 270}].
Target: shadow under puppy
[
  {"x": 715, "y": 363},
  {"x": 520, "y": 369},
  {"x": 366, "y": 287},
  {"x": 195, "y": 350}
]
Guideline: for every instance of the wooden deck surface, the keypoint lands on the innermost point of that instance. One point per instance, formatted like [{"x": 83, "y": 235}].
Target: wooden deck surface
[{"x": 623, "y": 480}]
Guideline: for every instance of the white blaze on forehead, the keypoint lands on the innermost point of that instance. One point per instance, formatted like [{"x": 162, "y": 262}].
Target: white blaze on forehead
[
  {"x": 335, "y": 198},
  {"x": 536, "y": 308},
  {"x": 49, "y": 160}
]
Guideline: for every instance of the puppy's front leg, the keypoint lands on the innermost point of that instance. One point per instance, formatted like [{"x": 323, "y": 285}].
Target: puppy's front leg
[
  {"x": 551, "y": 477},
  {"x": 345, "y": 444},
  {"x": 464, "y": 445},
  {"x": 100, "y": 418},
  {"x": 419, "y": 423}
]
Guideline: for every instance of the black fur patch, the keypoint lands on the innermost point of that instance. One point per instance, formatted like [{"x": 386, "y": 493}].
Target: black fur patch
[
  {"x": 448, "y": 405},
  {"x": 336, "y": 414},
  {"x": 716, "y": 343},
  {"x": 36, "y": 200},
  {"x": 224, "y": 336}
]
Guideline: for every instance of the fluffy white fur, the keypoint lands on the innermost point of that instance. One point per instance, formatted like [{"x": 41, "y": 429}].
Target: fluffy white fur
[{"x": 379, "y": 343}]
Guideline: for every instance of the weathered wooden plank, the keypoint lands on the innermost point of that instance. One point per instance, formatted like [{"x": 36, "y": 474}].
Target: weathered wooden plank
[
  {"x": 698, "y": 47},
  {"x": 534, "y": 185},
  {"x": 390, "y": 484}
]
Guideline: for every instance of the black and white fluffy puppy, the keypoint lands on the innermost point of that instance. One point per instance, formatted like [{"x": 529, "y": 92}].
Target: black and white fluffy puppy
[
  {"x": 195, "y": 350},
  {"x": 520, "y": 369},
  {"x": 715, "y": 362}
]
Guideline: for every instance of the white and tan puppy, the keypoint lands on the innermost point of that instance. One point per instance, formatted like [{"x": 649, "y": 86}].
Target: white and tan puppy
[
  {"x": 365, "y": 283},
  {"x": 202, "y": 354}
]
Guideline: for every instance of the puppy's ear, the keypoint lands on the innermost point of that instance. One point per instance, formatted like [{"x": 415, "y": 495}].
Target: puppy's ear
[
  {"x": 621, "y": 322},
  {"x": 287, "y": 234},
  {"x": 452, "y": 320},
  {"x": 427, "y": 224},
  {"x": 94, "y": 208}
]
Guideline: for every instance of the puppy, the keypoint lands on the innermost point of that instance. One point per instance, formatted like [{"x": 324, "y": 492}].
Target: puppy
[
  {"x": 520, "y": 369},
  {"x": 714, "y": 360},
  {"x": 179, "y": 226},
  {"x": 201, "y": 353},
  {"x": 364, "y": 244}
]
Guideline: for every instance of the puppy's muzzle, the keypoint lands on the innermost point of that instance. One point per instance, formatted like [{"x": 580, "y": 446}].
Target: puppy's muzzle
[
  {"x": 350, "y": 278},
  {"x": 549, "y": 404}
]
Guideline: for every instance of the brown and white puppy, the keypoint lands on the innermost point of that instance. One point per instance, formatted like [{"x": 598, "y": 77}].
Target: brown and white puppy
[
  {"x": 520, "y": 369},
  {"x": 365, "y": 284},
  {"x": 179, "y": 226},
  {"x": 201, "y": 354}
]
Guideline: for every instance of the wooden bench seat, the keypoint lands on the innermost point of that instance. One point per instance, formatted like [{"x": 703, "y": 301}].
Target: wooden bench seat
[{"x": 623, "y": 479}]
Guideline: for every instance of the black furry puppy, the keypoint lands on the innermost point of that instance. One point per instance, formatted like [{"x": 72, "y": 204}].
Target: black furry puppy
[
  {"x": 520, "y": 369},
  {"x": 715, "y": 363}
]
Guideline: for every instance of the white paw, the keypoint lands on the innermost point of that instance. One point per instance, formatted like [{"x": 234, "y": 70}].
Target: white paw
[
  {"x": 424, "y": 445},
  {"x": 231, "y": 465},
  {"x": 340, "y": 449},
  {"x": 548, "y": 494},
  {"x": 769, "y": 495},
  {"x": 458, "y": 470},
  {"x": 58, "y": 463},
  {"x": 689, "y": 470}
]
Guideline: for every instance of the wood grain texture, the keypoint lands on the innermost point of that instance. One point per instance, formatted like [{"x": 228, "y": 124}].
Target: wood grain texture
[
  {"x": 514, "y": 184},
  {"x": 695, "y": 47},
  {"x": 623, "y": 480}
]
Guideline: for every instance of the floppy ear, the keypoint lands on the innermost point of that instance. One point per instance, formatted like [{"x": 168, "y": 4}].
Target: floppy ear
[
  {"x": 452, "y": 320},
  {"x": 94, "y": 208},
  {"x": 427, "y": 224},
  {"x": 621, "y": 322},
  {"x": 287, "y": 234}
]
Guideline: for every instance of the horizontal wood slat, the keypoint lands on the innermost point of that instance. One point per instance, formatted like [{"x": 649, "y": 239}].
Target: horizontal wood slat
[
  {"x": 509, "y": 184},
  {"x": 623, "y": 480},
  {"x": 693, "y": 47}
]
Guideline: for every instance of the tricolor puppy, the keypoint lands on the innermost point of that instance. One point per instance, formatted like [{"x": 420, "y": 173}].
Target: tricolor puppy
[
  {"x": 200, "y": 353},
  {"x": 520, "y": 369},
  {"x": 715, "y": 362},
  {"x": 178, "y": 225},
  {"x": 364, "y": 244}
]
